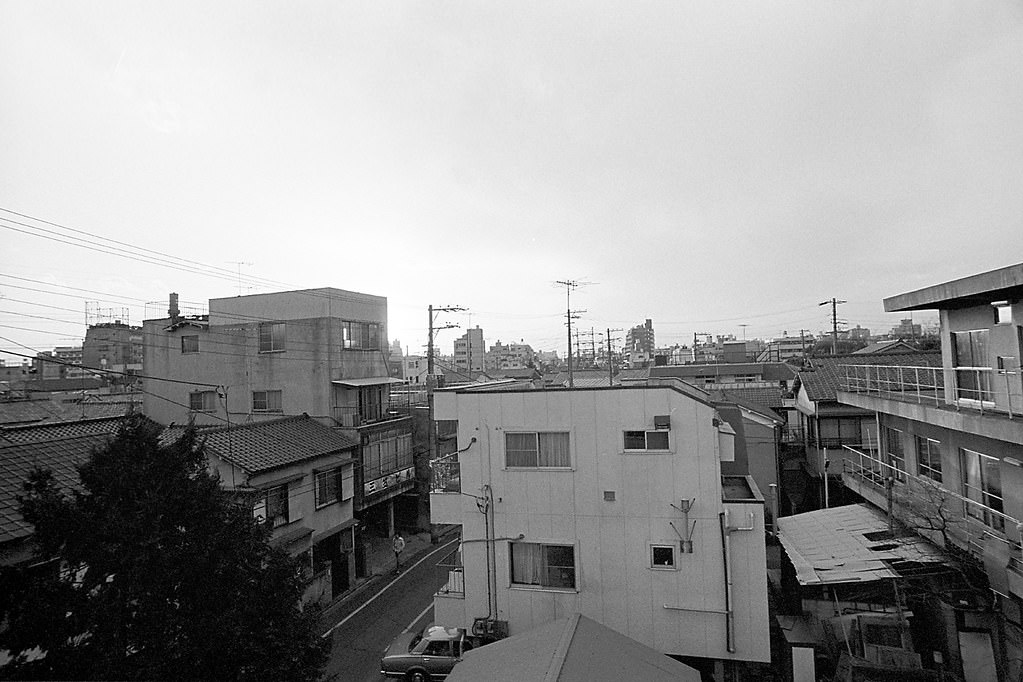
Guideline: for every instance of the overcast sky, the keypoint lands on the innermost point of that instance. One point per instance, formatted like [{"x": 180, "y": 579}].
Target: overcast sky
[{"x": 706, "y": 165}]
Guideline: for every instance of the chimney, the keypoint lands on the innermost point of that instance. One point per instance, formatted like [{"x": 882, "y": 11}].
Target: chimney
[{"x": 173, "y": 311}]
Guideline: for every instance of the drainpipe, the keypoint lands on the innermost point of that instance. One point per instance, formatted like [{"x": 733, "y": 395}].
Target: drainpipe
[{"x": 726, "y": 547}]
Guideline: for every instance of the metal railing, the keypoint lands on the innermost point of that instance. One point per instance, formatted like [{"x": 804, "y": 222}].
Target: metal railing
[
  {"x": 352, "y": 417},
  {"x": 925, "y": 505},
  {"x": 977, "y": 388},
  {"x": 454, "y": 575},
  {"x": 445, "y": 475}
]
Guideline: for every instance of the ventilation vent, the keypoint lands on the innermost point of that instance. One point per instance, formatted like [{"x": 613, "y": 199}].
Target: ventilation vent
[
  {"x": 609, "y": 496},
  {"x": 662, "y": 421}
]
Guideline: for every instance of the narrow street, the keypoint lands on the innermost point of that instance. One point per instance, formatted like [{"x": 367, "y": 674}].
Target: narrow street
[{"x": 369, "y": 623}]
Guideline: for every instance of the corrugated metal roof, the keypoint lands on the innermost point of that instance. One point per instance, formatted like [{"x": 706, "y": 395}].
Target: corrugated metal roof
[
  {"x": 266, "y": 445},
  {"x": 830, "y": 546}
]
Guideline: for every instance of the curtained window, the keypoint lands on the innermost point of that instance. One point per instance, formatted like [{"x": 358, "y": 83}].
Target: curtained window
[
  {"x": 537, "y": 449},
  {"x": 542, "y": 565}
]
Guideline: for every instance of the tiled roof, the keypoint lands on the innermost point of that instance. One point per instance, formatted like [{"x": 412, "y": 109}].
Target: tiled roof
[
  {"x": 31, "y": 411},
  {"x": 763, "y": 396},
  {"x": 61, "y": 456},
  {"x": 826, "y": 374},
  {"x": 266, "y": 445},
  {"x": 33, "y": 433},
  {"x": 892, "y": 346},
  {"x": 770, "y": 371},
  {"x": 738, "y": 396}
]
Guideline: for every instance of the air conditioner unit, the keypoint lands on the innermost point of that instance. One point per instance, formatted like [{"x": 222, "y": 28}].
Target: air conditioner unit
[{"x": 662, "y": 422}]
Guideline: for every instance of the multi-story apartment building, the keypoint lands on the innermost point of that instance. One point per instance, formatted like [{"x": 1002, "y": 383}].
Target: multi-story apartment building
[
  {"x": 639, "y": 345},
  {"x": 509, "y": 356},
  {"x": 114, "y": 346},
  {"x": 317, "y": 351},
  {"x": 607, "y": 502},
  {"x": 949, "y": 462},
  {"x": 470, "y": 353}
]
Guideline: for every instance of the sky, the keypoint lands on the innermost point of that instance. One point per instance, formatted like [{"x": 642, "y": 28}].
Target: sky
[{"x": 716, "y": 167}]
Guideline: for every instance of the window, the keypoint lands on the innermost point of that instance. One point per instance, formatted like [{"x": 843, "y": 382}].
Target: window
[
  {"x": 1003, "y": 312},
  {"x": 646, "y": 440},
  {"x": 365, "y": 335},
  {"x": 537, "y": 449},
  {"x": 190, "y": 344},
  {"x": 328, "y": 487},
  {"x": 662, "y": 556},
  {"x": 277, "y": 506},
  {"x": 973, "y": 367},
  {"x": 266, "y": 401},
  {"x": 202, "y": 401},
  {"x": 894, "y": 453},
  {"x": 271, "y": 337},
  {"x": 928, "y": 458},
  {"x": 982, "y": 483},
  {"x": 542, "y": 565}
]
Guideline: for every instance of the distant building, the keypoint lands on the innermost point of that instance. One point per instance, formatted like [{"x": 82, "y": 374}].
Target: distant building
[
  {"x": 907, "y": 330},
  {"x": 859, "y": 333},
  {"x": 509, "y": 356},
  {"x": 470, "y": 353},
  {"x": 639, "y": 345},
  {"x": 114, "y": 346},
  {"x": 414, "y": 369},
  {"x": 784, "y": 347}
]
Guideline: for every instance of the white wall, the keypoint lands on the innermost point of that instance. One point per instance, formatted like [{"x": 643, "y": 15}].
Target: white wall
[{"x": 615, "y": 583}]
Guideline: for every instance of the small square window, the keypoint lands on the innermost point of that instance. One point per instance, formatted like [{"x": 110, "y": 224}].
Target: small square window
[
  {"x": 190, "y": 343},
  {"x": 662, "y": 556}
]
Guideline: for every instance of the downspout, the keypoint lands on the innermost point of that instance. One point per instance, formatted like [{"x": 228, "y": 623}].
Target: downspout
[{"x": 726, "y": 547}]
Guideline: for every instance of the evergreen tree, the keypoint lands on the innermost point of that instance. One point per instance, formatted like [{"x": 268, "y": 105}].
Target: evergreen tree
[{"x": 157, "y": 572}]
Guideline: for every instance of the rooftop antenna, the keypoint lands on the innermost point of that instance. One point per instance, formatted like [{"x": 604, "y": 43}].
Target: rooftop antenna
[{"x": 240, "y": 263}]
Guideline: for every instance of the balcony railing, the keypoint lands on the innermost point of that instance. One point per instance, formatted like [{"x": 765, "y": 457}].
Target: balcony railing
[
  {"x": 453, "y": 575},
  {"x": 445, "y": 475},
  {"x": 352, "y": 417},
  {"x": 984, "y": 389},
  {"x": 929, "y": 508}
]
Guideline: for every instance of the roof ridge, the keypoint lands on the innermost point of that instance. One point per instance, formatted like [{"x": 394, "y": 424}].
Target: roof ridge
[{"x": 255, "y": 424}]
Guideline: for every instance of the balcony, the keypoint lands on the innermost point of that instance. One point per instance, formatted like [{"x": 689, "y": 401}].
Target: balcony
[
  {"x": 981, "y": 389},
  {"x": 453, "y": 575},
  {"x": 926, "y": 507},
  {"x": 353, "y": 418},
  {"x": 445, "y": 490}
]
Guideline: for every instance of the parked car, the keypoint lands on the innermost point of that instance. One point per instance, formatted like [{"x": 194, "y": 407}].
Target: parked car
[{"x": 426, "y": 655}]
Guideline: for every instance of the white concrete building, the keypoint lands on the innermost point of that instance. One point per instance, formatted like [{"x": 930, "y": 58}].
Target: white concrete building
[{"x": 607, "y": 502}]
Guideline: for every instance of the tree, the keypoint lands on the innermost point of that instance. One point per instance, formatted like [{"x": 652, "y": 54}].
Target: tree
[{"x": 157, "y": 572}]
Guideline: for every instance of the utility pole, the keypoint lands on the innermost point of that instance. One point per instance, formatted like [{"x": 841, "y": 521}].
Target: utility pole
[
  {"x": 802, "y": 342},
  {"x": 695, "y": 334},
  {"x": 611, "y": 357},
  {"x": 834, "y": 322},
  {"x": 432, "y": 317},
  {"x": 569, "y": 285}
]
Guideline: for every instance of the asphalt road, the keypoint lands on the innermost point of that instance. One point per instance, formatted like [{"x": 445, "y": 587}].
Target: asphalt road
[{"x": 372, "y": 620}]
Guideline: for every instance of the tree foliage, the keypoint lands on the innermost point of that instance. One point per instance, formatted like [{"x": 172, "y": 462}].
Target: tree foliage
[{"x": 156, "y": 573}]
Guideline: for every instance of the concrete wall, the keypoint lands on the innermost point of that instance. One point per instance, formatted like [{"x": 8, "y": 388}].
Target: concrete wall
[
  {"x": 615, "y": 583},
  {"x": 297, "y": 305}
]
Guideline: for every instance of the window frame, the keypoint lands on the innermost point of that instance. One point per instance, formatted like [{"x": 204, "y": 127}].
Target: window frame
[
  {"x": 930, "y": 449},
  {"x": 980, "y": 493},
  {"x": 673, "y": 566},
  {"x": 204, "y": 396},
  {"x": 897, "y": 461},
  {"x": 327, "y": 477},
  {"x": 281, "y": 498},
  {"x": 545, "y": 568},
  {"x": 537, "y": 450},
  {"x": 272, "y": 337},
  {"x": 646, "y": 440},
  {"x": 189, "y": 338},
  {"x": 267, "y": 402}
]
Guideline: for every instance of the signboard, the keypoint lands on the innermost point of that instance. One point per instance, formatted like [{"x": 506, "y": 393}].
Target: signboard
[{"x": 389, "y": 481}]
